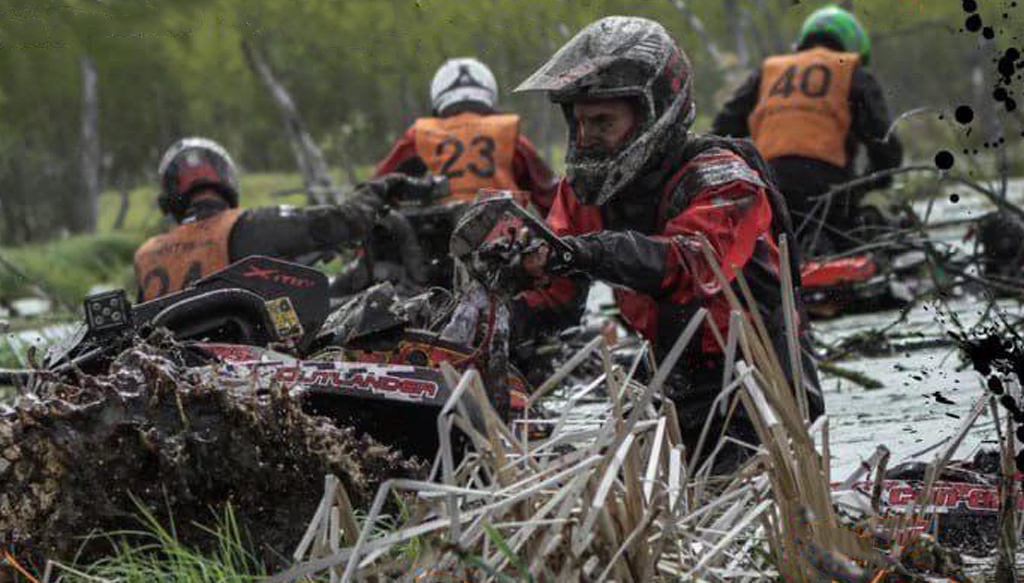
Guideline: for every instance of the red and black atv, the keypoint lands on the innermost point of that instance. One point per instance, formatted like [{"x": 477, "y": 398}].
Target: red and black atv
[{"x": 374, "y": 363}]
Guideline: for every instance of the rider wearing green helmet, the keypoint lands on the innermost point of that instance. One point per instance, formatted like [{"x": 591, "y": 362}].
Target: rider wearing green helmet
[
  {"x": 835, "y": 25},
  {"x": 808, "y": 112}
]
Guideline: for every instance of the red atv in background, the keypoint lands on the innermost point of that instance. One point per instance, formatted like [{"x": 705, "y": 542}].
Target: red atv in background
[{"x": 874, "y": 267}]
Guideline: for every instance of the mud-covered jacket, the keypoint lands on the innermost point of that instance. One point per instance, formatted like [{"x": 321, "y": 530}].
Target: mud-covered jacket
[
  {"x": 716, "y": 188},
  {"x": 212, "y": 236},
  {"x": 476, "y": 150},
  {"x": 802, "y": 77}
]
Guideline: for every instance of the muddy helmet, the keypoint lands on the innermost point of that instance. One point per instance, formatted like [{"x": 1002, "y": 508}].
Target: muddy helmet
[
  {"x": 617, "y": 57},
  {"x": 192, "y": 164},
  {"x": 840, "y": 26},
  {"x": 460, "y": 81}
]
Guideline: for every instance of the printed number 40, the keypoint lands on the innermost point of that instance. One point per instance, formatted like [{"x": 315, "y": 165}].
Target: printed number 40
[{"x": 815, "y": 81}]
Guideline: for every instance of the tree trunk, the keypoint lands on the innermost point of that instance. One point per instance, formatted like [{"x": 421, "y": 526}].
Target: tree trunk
[
  {"x": 84, "y": 207},
  {"x": 735, "y": 18},
  {"x": 310, "y": 159},
  {"x": 122, "y": 210}
]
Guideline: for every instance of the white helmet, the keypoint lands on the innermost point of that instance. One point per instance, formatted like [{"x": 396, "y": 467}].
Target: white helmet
[{"x": 462, "y": 80}]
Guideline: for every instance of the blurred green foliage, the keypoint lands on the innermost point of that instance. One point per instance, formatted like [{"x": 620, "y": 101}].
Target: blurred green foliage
[{"x": 359, "y": 71}]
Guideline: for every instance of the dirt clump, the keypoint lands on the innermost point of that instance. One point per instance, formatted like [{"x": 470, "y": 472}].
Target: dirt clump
[{"x": 78, "y": 458}]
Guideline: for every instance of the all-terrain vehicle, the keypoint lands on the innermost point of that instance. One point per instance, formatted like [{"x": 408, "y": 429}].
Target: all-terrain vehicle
[{"x": 373, "y": 363}]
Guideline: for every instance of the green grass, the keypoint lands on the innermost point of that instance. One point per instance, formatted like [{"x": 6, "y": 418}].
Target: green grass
[
  {"x": 258, "y": 189},
  {"x": 162, "y": 558},
  {"x": 66, "y": 269}
]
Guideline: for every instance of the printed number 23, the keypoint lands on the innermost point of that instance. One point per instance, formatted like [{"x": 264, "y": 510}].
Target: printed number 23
[{"x": 482, "y": 149}]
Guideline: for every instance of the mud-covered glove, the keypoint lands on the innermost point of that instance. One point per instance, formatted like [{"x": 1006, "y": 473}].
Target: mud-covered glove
[
  {"x": 403, "y": 190},
  {"x": 625, "y": 258},
  {"x": 539, "y": 262}
]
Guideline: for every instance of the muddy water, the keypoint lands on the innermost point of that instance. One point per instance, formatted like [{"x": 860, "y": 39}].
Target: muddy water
[
  {"x": 912, "y": 410},
  {"x": 905, "y": 415}
]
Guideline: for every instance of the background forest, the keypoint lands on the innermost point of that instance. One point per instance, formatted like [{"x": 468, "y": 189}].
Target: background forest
[{"x": 92, "y": 91}]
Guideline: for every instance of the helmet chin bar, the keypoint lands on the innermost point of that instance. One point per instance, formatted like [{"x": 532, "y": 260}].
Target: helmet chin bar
[{"x": 628, "y": 164}]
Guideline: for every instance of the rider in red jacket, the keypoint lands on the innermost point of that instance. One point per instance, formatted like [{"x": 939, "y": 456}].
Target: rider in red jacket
[{"x": 640, "y": 194}]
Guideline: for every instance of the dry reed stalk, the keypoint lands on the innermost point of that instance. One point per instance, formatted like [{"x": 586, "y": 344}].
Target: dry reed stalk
[{"x": 612, "y": 497}]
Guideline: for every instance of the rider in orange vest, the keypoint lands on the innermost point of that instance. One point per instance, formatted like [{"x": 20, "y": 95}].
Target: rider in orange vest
[
  {"x": 807, "y": 113},
  {"x": 199, "y": 189},
  {"x": 469, "y": 142}
]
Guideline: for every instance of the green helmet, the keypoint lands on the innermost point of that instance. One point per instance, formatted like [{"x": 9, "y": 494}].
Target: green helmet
[{"x": 841, "y": 25}]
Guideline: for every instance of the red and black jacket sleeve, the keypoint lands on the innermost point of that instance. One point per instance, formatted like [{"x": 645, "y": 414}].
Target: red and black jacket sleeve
[{"x": 720, "y": 198}]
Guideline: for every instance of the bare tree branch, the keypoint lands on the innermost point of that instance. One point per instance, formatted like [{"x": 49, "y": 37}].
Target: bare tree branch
[{"x": 310, "y": 159}]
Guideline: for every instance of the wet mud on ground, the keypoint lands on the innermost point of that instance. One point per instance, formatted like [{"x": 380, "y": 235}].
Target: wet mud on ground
[{"x": 82, "y": 457}]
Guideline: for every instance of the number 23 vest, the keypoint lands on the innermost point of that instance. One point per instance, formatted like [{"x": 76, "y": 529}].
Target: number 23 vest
[{"x": 474, "y": 151}]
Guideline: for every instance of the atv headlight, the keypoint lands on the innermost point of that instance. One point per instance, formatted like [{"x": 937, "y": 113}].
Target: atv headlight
[{"x": 108, "y": 312}]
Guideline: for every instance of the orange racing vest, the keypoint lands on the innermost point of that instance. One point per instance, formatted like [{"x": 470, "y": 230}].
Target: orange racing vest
[
  {"x": 169, "y": 262},
  {"x": 474, "y": 151},
  {"x": 803, "y": 106}
]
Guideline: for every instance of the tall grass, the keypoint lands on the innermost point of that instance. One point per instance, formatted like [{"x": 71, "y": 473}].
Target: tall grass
[
  {"x": 160, "y": 557},
  {"x": 64, "y": 270}
]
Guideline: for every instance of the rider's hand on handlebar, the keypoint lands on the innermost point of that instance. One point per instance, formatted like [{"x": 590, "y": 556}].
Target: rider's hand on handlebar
[
  {"x": 536, "y": 254},
  {"x": 400, "y": 189}
]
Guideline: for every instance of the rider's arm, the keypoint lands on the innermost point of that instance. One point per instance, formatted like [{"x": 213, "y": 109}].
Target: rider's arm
[
  {"x": 733, "y": 213},
  {"x": 870, "y": 122},
  {"x": 533, "y": 174},
  {"x": 404, "y": 149},
  {"x": 289, "y": 232},
  {"x": 732, "y": 120}
]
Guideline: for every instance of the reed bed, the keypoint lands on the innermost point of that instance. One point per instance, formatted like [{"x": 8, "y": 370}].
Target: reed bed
[{"x": 612, "y": 495}]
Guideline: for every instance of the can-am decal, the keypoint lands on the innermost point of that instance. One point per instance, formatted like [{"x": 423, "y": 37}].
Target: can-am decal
[
  {"x": 377, "y": 383},
  {"x": 945, "y": 496}
]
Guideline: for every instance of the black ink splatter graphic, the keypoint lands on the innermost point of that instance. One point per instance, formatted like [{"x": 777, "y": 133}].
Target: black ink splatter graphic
[
  {"x": 964, "y": 114},
  {"x": 1008, "y": 65},
  {"x": 944, "y": 160},
  {"x": 994, "y": 358}
]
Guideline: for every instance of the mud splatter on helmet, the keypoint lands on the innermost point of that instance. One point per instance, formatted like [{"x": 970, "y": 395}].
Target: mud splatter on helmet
[
  {"x": 620, "y": 57},
  {"x": 190, "y": 165},
  {"x": 841, "y": 26},
  {"x": 463, "y": 80}
]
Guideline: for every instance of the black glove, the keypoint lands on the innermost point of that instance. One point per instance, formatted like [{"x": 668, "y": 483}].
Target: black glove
[
  {"x": 402, "y": 190},
  {"x": 582, "y": 257}
]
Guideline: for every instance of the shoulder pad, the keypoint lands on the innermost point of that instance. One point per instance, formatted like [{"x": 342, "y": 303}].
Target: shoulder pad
[{"x": 711, "y": 168}]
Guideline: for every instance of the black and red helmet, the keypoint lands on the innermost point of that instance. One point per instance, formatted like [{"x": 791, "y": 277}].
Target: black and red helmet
[
  {"x": 192, "y": 164},
  {"x": 620, "y": 56}
]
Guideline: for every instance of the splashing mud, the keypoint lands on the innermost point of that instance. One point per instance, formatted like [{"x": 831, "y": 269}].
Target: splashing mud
[{"x": 75, "y": 458}]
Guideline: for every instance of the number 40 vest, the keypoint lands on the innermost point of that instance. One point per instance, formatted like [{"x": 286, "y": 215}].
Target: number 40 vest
[
  {"x": 474, "y": 151},
  {"x": 169, "y": 262},
  {"x": 803, "y": 106}
]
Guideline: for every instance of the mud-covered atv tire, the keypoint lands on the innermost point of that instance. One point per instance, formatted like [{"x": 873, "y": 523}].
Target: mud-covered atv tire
[{"x": 83, "y": 457}]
